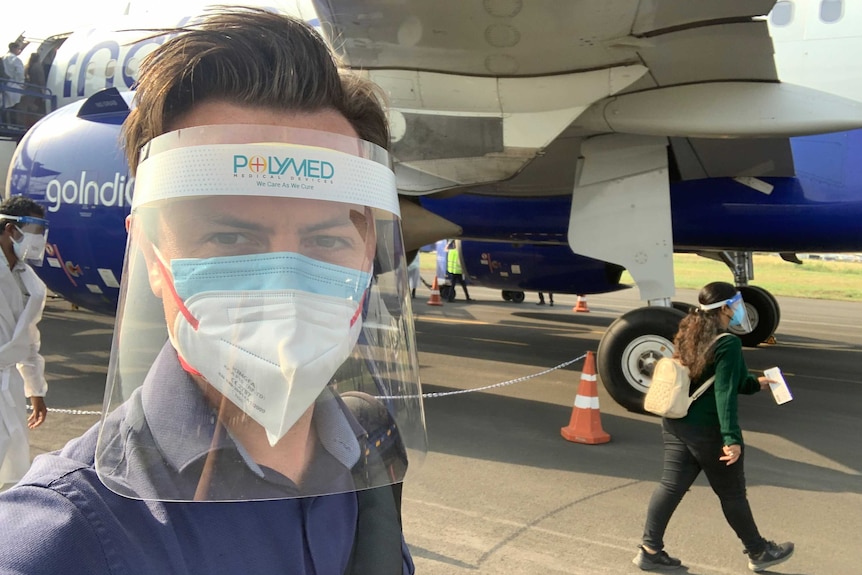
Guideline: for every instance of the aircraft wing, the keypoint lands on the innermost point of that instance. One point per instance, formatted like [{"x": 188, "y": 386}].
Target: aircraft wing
[{"x": 482, "y": 92}]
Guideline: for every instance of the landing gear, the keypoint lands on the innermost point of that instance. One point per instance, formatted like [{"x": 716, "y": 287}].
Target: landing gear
[
  {"x": 630, "y": 348},
  {"x": 513, "y": 296},
  {"x": 763, "y": 313},
  {"x": 761, "y": 306}
]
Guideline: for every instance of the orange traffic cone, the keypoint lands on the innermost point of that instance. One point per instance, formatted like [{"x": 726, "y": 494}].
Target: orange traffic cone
[
  {"x": 581, "y": 306},
  {"x": 435, "y": 294},
  {"x": 585, "y": 426}
]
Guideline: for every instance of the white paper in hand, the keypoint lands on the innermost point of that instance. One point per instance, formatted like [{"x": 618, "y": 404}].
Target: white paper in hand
[{"x": 780, "y": 391}]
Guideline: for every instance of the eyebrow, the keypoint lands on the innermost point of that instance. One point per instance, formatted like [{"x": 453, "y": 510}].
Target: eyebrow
[
  {"x": 234, "y": 222},
  {"x": 334, "y": 222}
]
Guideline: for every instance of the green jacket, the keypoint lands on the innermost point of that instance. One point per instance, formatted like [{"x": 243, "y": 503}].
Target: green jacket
[{"x": 718, "y": 405}]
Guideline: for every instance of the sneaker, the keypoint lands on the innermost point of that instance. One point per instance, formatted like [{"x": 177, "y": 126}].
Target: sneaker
[
  {"x": 651, "y": 561},
  {"x": 772, "y": 555}
]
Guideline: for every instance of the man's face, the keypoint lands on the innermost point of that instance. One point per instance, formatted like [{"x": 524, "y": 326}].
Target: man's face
[
  {"x": 13, "y": 231},
  {"x": 221, "y": 226}
]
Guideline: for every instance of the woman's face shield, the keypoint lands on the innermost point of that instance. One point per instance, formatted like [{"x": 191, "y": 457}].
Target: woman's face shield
[
  {"x": 30, "y": 245},
  {"x": 264, "y": 335},
  {"x": 739, "y": 321}
]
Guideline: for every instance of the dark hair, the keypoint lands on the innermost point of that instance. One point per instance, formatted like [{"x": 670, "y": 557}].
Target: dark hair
[
  {"x": 693, "y": 344},
  {"x": 251, "y": 57},
  {"x": 19, "y": 206}
]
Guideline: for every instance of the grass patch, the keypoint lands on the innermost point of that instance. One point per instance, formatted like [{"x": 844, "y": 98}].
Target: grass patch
[
  {"x": 814, "y": 279},
  {"x": 830, "y": 280}
]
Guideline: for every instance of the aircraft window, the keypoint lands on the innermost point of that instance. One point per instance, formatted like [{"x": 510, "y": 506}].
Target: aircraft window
[
  {"x": 831, "y": 10},
  {"x": 91, "y": 70},
  {"x": 110, "y": 68},
  {"x": 71, "y": 71},
  {"x": 782, "y": 13}
]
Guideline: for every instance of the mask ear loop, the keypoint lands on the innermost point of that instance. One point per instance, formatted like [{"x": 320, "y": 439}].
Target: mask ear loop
[
  {"x": 173, "y": 290},
  {"x": 193, "y": 321}
]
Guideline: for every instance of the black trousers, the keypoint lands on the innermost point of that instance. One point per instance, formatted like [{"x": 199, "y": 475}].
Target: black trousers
[{"x": 688, "y": 449}]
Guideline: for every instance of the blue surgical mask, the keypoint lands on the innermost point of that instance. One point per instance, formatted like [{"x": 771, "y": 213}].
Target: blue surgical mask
[
  {"x": 738, "y": 315},
  {"x": 275, "y": 271}
]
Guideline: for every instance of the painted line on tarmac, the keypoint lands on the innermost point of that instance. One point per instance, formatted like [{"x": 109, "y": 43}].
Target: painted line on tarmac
[
  {"x": 521, "y": 528},
  {"x": 440, "y": 319}
]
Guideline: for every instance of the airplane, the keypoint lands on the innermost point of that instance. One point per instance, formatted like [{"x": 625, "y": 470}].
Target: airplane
[{"x": 601, "y": 135}]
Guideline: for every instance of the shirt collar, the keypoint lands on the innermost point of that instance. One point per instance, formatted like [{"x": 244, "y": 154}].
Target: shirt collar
[{"x": 174, "y": 407}]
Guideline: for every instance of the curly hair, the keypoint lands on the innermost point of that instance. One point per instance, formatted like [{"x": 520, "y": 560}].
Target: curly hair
[
  {"x": 19, "y": 206},
  {"x": 693, "y": 344}
]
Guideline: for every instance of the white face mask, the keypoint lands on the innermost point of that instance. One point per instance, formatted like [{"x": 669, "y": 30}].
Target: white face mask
[
  {"x": 270, "y": 352},
  {"x": 31, "y": 246},
  {"x": 271, "y": 356}
]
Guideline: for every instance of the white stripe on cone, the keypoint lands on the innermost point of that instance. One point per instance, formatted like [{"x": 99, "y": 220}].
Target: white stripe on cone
[{"x": 586, "y": 402}]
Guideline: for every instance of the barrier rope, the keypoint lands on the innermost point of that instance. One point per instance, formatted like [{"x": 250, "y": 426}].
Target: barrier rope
[
  {"x": 68, "y": 411},
  {"x": 432, "y": 395},
  {"x": 494, "y": 386}
]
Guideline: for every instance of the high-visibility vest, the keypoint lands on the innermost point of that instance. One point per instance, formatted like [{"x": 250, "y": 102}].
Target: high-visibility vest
[{"x": 454, "y": 262}]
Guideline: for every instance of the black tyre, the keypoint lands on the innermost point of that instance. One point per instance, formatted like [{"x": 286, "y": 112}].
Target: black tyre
[
  {"x": 767, "y": 294},
  {"x": 518, "y": 296},
  {"x": 629, "y": 350},
  {"x": 762, "y": 310},
  {"x": 507, "y": 295},
  {"x": 682, "y": 306}
]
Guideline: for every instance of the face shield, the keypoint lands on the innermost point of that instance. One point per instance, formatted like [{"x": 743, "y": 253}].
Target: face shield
[
  {"x": 739, "y": 322},
  {"x": 30, "y": 247},
  {"x": 264, "y": 346}
]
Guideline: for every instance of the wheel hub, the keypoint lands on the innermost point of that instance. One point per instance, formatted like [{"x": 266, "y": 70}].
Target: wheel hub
[{"x": 640, "y": 357}]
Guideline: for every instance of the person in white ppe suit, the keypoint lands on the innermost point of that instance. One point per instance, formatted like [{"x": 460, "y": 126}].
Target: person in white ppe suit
[
  {"x": 22, "y": 298},
  {"x": 14, "y": 68}
]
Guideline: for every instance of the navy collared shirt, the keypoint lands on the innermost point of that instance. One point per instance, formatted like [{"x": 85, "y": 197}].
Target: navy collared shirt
[{"x": 62, "y": 519}]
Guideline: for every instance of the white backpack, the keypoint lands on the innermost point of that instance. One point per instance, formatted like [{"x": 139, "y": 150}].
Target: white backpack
[{"x": 668, "y": 393}]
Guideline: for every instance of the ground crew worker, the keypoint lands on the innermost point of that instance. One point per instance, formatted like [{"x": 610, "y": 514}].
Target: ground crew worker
[{"x": 455, "y": 271}]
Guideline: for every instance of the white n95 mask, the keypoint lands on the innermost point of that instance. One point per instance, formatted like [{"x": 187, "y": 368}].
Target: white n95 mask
[
  {"x": 269, "y": 351},
  {"x": 30, "y": 247}
]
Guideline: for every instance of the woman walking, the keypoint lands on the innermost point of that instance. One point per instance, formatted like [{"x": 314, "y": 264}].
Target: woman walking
[{"x": 709, "y": 438}]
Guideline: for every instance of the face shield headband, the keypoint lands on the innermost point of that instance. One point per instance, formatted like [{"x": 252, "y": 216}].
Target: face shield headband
[
  {"x": 272, "y": 256},
  {"x": 728, "y": 302}
]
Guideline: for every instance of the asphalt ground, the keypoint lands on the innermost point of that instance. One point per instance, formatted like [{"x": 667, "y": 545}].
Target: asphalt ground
[{"x": 501, "y": 492}]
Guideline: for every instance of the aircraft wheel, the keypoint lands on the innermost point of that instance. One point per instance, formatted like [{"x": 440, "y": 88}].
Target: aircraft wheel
[
  {"x": 767, "y": 294},
  {"x": 507, "y": 295},
  {"x": 682, "y": 306},
  {"x": 631, "y": 347},
  {"x": 763, "y": 313},
  {"x": 518, "y": 296}
]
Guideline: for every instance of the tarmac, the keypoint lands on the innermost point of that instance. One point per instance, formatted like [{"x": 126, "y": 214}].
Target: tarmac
[{"x": 501, "y": 492}]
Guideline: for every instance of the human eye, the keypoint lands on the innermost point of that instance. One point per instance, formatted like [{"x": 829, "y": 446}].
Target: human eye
[
  {"x": 227, "y": 243},
  {"x": 327, "y": 242},
  {"x": 228, "y": 239}
]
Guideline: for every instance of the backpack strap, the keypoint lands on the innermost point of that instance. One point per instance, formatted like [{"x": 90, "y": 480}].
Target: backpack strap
[
  {"x": 377, "y": 546},
  {"x": 705, "y": 385}
]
